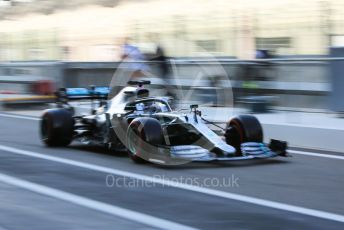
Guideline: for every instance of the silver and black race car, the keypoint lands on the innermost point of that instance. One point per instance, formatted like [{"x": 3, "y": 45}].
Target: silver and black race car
[{"x": 150, "y": 130}]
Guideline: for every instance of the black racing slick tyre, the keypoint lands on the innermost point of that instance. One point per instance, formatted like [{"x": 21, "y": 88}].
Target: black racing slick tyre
[
  {"x": 57, "y": 127},
  {"x": 142, "y": 135},
  {"x": 241, "y": 129}
]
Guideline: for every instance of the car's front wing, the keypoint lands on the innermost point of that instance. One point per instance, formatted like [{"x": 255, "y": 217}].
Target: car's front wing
[{"x": 197, "y": 153}]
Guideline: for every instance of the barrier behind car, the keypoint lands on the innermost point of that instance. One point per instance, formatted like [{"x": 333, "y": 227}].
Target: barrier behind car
[{"x": 294, "y": 82}]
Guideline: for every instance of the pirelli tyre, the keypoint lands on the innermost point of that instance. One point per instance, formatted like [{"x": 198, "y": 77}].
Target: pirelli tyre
[
  {"x": 56, "y": 127},
  {"x": 241, "y": 129},
  {"x": 142, "y": 135}
]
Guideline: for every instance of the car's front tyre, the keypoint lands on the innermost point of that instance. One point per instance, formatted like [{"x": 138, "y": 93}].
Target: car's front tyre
[
  {"x": 142, "y": 135},
  {"x": 241, "y": 129}
]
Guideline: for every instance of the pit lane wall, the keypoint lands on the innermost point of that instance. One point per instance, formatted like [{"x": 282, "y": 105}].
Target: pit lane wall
[{"x": 303, "y": 83}]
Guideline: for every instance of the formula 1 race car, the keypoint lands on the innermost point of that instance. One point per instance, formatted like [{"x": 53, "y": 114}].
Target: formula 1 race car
[{"x": 150, "y": 130}]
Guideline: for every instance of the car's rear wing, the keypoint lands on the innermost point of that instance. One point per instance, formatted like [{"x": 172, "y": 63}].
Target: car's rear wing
[{"x": 73, "y": 94}]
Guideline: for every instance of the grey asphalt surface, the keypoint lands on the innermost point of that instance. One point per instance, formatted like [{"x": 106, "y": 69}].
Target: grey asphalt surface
[{"x": 305, "y": 181}]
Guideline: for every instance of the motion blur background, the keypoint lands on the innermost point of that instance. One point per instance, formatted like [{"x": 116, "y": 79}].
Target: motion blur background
[
  {"x": 90, "y": 30},
  {"x": 284, "y": 54}
]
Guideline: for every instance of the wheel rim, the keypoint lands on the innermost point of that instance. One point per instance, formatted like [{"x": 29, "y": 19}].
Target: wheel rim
[
  {"x": 45, "y": 129},
  {"x": 132, "y": 137},
  {"x": 236, "y": 126},
  {"x": 233, "y": 136}
]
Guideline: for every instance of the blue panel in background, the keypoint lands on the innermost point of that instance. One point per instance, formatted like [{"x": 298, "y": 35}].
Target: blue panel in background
[
  {"x": 77, "y": 92},
  {"x": 87, "y": 92},
  {"x": 102, "y": 90}
]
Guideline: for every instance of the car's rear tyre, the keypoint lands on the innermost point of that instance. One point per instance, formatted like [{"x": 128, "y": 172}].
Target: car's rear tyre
[
  {"x": 57, "y": 127},
  {"x": 241, "y": 129},
  {"x": 143, "y": 131}
]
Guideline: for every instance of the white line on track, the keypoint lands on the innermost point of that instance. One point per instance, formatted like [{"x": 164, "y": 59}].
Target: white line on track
[
  {"x": 290, "y": 151},
  {"x": 19, "y": 116},
  {"x": 316, "y": 154},
  {"x": 207, "y": 191},
  {"x": 92, "y": 204}
]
